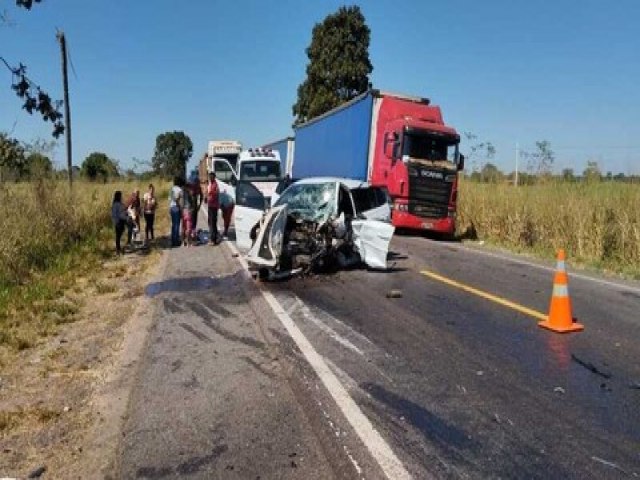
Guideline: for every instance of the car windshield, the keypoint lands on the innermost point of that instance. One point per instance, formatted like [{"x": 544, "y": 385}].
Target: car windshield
[
  {"x": 257, "y": 170},
  {"x": 310, "y": 201}
]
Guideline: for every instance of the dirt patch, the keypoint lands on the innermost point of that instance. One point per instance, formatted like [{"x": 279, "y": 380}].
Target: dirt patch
[{"x": 52, "y": 396}]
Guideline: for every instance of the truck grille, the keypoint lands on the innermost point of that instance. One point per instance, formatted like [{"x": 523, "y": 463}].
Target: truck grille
[{"x": 429, "y": 197}]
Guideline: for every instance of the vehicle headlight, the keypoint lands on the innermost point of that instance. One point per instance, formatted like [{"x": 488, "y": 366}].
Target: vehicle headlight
[
  {"x": 275, "y": 240},
  {"x": 276, "y": 233}
]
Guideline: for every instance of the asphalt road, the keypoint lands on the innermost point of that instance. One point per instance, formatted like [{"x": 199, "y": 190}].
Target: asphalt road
[
  {"x": 462, "y": 387},
  {"x": 327, "y": 377}
]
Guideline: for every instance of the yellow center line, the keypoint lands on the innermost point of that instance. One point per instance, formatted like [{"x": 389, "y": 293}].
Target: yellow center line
[{"x": 488, "y": 296}]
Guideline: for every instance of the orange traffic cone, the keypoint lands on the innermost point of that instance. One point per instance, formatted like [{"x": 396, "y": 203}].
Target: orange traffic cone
[{"x": 560, "y": 319}]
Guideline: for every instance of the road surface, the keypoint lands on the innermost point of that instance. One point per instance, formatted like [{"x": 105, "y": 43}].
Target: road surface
[{"x": 438, "y": 383}]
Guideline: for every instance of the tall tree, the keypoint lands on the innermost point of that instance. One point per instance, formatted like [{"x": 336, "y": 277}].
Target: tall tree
[
  {"x": 339, "y": 64},
  {"x": 34, "y": 98},
  {"x": 173, "y": 151},
  {"x": 540, "y": 161},
  {"x": 98, "y": 166}
]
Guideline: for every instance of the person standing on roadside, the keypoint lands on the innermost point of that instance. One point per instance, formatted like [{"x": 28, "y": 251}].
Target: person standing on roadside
[
  {"x": 175, "y": 209},
  {"x": 226, "y": 205},
  {"x": 149, "y": 209},
  {"x": 134, "y": 209},
  {"x": 213, "y": 203},
  {"x": 197, "y": 197},
  {"x": 187, "y": 215},
  {"x": 120, "y": 219}
]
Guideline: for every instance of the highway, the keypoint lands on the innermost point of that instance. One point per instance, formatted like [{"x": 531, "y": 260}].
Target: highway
[
  {"x": 330, "y": 376},
  {"x": 463, "y": 387}
]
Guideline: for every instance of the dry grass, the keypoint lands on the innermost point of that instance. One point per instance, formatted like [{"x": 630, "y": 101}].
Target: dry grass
[
  {"x": 598, "y": 224},
  {"x": 53, "y": 237}
]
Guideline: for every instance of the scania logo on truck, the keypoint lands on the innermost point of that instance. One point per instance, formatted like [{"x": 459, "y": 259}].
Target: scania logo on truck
[{"x": 431, "y": 174}]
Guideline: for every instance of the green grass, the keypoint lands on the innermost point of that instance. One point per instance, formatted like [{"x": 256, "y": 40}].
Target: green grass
[
  {"x": 598, "y": 224},
  {"x": 54, "y": 237}
]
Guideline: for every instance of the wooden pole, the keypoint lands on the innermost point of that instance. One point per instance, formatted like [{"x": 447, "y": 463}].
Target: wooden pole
[{"x": 67, "y": 108}]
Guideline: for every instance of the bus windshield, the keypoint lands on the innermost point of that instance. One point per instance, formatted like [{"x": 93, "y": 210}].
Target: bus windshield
[
  {"x": 256, "y": 170},
  {"x": 430, "y": 147}
]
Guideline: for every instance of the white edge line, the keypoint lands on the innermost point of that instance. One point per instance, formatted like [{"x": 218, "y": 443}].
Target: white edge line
[
  {"x": 378, "y": 447},
  {"x": 620, "y": 286}
]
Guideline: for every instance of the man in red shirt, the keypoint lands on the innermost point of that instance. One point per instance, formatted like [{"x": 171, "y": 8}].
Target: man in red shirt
[{"x": 213, "y": 204}]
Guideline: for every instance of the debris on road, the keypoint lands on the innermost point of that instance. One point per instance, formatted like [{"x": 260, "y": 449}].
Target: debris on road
[
  {"x": 394, "y": 294},
  {"x": 590, "y": 366},
  {"x": 634, "y": 385},
  {"x": 479, "y": 373},
  {"x": 559, "y": 390}
]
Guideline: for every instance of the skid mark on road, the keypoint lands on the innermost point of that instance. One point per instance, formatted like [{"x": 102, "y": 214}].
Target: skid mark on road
[
  {"x": 199, "y": 335},
  {"x": 486, "y": 295}
]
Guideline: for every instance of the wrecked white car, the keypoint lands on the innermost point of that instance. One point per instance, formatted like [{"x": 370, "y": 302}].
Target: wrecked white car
[{"x": 316, "y": 224}]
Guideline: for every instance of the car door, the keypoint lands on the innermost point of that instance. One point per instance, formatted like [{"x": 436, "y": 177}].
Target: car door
[
  {"x": 372, "y": 203},
  {"x": 250, "y": 206},
  {"x": 371, "y": 238},
  {"x": 225, "y": 175},
  {"x": 266, "y": 250}
]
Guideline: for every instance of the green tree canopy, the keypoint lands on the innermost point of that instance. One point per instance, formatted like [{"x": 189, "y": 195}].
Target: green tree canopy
[
  {"x": 339, "y": 65},
  {"x": 12, "y": 157},
  {"x": 568, "y": 175},
  {"x": 38, "y": 165},
  {"x": 98, "y": 166},
  {"x": 173, "y": 150}
]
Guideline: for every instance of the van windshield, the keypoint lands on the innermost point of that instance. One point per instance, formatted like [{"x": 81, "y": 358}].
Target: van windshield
[{"x": 260, "y": 170}]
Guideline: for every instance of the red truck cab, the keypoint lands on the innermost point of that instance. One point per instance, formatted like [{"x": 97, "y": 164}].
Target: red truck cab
[{"x": 416, "y": 157}]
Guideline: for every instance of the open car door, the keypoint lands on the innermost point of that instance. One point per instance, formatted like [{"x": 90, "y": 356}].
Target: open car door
[
  {"x": 250, "y": 206},
  {"x": 371, "y": 238},
  {"x": 267, "y": 248}
]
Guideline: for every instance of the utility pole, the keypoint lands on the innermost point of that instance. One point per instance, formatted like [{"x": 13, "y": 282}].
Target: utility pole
[
  {"x": 517, "y": 162},
  {"x": 67, "y": 109}
]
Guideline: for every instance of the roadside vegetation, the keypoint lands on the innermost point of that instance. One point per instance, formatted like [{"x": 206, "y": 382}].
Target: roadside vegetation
[
  {"x": 597, "y": 222},
  {"x": 51, "y": 238}
]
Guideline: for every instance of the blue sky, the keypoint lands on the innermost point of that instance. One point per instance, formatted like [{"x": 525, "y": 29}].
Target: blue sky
[{"x": 507, "y": 70}]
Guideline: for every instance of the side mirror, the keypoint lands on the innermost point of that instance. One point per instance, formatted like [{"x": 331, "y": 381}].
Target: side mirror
[{"x": 461, "y": 163}]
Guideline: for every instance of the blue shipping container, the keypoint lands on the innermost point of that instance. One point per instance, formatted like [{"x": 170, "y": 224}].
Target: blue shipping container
[
  {"x": 335, "y": 144},
  {"x": 281, "y": 146}
]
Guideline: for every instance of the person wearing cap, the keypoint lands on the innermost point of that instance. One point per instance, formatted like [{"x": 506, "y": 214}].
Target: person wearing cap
[{"x": 213, "y": 204}]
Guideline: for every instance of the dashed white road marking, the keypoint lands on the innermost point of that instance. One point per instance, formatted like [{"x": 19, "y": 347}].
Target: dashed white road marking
[{"x": 370, "y": 437}]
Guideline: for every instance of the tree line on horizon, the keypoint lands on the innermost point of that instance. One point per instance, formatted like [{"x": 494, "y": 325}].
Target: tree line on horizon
[{"x": 24, "y": 161}]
